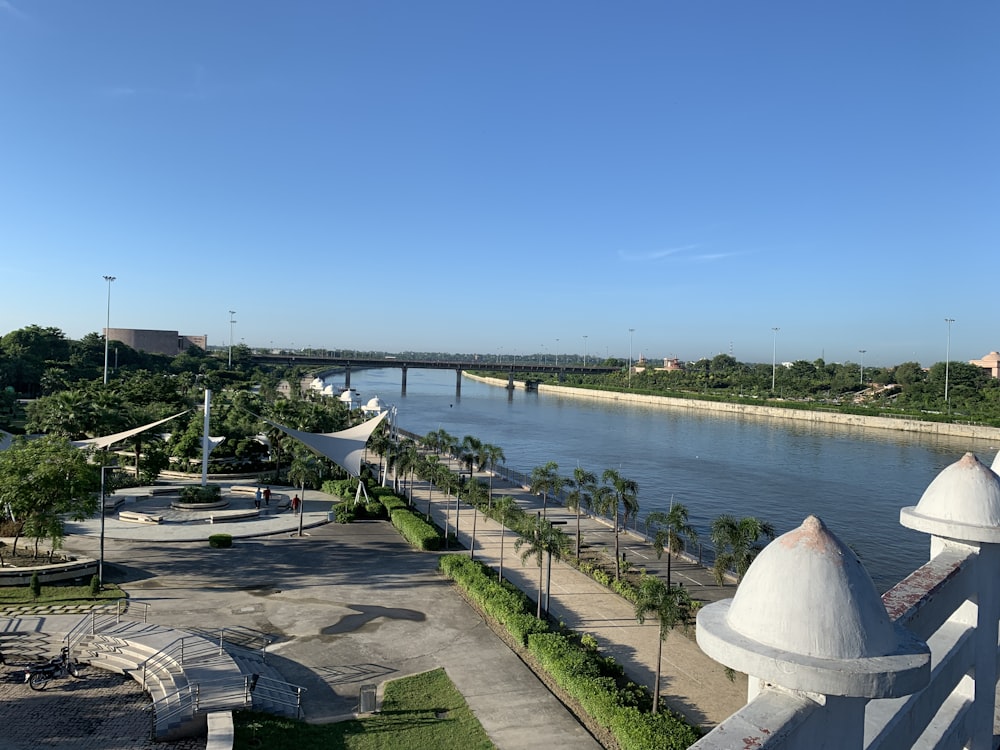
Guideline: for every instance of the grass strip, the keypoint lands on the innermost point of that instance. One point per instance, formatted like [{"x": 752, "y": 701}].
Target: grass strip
[{"x": 419, "y": 712}]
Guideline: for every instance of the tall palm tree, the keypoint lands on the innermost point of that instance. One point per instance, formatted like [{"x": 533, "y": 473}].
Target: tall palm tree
[
  {"x": 475, "y": 496},
  {"x": 626, "y": 494},
  {"x": 427, "y": 469},
  {"x": 541, "y": 538},
  {"x": 492, "y": 454},
  {"x": 505, "y": 509},
  {"x": 545, "y": 481},
  {"x": 672, "y": 532},
  {"x": 468, "y": 452},
  {"x": 672, "y": 606},
  {"x": 737, "y": 542},
  {"x": 304, "y": 471},
  {"x": 582, "y": 486},
  {"x": 407, "y": 459}
]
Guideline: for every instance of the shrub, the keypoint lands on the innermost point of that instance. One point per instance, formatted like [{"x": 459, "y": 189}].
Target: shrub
[
  {"x": 220, "y": 541},
  {"x": 95, "y": 585},
  {"x": 344, "y": 513},
  {"x": 194, "y": 493},
  {"x": 35, "y": 585},
  {"x": 415, "y": 529},
  {"x": 375, "y": 509}
]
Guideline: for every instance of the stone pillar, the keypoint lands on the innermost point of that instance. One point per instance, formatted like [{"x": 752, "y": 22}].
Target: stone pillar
[
  {"x": 458, "y": 383},
  {"x": 347, "y": 376},
  {"x": 962, "y": 507},
  {"x": 403, "y": 391}
]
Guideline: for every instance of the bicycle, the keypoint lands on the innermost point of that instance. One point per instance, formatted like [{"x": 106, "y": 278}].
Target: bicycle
[{"x": 38, "y": 675}]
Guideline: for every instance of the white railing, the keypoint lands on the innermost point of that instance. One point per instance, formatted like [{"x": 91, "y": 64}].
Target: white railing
[{"x": 951, "y": 604}]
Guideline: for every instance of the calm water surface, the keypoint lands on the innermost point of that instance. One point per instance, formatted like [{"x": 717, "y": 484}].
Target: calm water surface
[{"x": 855, "y": 480}]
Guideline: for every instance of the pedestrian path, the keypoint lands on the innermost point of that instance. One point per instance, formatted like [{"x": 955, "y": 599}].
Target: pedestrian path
[{"x": 691, "y": 682}]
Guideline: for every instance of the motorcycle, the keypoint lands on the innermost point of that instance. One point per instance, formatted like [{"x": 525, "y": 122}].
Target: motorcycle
[{"x": 38, "y": 675}]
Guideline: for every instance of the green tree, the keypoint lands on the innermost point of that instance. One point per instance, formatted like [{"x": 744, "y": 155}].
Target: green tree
[
  {"x": 492, "y": 455},
  {"x": 44, "y": 480},
  {"x": 581, "y": 495},
  {"x": 545, "y": 481},
  {"x": 672, "y": 532},
  {"x": 671, "y": 605},
  {"x": 542, "y": 539},
  {"x": 625, "y": 493},
  {"x": 737, "y": 542},
  {"x": 505, "y": 509}
]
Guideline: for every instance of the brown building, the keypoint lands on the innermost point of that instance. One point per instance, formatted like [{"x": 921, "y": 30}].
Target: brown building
[
  {"x": 990, "y": 363},
  {"x": 170, "y": 343}
]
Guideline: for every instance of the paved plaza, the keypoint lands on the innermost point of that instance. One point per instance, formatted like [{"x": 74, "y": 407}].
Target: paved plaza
[{"x": 352, "y": 605}]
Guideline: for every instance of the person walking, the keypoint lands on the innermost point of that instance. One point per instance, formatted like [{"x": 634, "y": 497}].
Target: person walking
[
  {"x": 295, "y": 504},
  {"x": 256, "y": 498},
  {"x": 267, "y": 496}
]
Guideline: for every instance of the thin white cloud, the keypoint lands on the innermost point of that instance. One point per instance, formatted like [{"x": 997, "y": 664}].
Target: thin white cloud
[
  {"x": 654, "y": 255},
  {"x": 8, "y": 7}
]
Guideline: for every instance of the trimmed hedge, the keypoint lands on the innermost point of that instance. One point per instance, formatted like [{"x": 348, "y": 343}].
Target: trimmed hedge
[
  {"x": 598, "y": 683},
  {"x": 220, "y": 541},
  {"x": 503, "y": 602},
  {"x": 415, "y": 529},
  {"x": 601, "y": 688}
]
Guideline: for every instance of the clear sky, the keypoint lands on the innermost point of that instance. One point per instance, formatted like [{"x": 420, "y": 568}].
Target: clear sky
[{"x": 501, "y": 177}]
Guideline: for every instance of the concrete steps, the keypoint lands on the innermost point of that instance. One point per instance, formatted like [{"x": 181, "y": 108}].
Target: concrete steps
[{"x": 184, "y": 674}]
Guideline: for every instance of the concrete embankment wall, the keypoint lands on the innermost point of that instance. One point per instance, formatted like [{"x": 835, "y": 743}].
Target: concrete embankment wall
[{"x": 950, "y": 429}]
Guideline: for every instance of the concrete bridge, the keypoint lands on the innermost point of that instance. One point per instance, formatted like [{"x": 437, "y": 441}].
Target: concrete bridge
[{"x": 404, "y": 364}]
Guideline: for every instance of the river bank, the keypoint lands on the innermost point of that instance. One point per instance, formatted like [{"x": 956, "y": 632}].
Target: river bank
[{"x": 949, "y": 429}]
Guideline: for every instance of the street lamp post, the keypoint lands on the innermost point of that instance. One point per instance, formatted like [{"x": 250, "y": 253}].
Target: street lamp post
[
  {"x": 557, "y": 352},
  {"x": 947, "y": 360},
  {"x": 630, "y": 332},
  {"x": 774, "y": 361},
  {"x": 584, "y": 351},
  {"x": 231, "y": 322},
  {"x": 107, "y": 329},
  {"x": 862, "y": 352}
]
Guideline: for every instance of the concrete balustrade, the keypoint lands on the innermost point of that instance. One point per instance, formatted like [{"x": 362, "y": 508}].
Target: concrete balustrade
[{"x": 833, "y": 665}]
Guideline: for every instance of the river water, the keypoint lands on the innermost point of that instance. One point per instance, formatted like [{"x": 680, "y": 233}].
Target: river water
[{"x": 780, "y": 471}]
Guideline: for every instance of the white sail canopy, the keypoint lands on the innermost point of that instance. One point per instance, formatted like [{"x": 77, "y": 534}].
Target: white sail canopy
[
  {"x": 107, "y": 440},
  {"x": 345, "y": 448}
]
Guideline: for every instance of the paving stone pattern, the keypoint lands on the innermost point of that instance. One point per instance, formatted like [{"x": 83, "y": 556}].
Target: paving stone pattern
[{"x": 100, "y": 711}]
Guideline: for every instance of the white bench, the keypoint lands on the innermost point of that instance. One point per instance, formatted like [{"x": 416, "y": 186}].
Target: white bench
[
  {"x": 134, "y": 517},
  {"x": 234, "y": 515}
]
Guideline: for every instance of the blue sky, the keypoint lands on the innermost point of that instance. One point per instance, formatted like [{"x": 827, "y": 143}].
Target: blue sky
[{"x": 508, "y": 177}]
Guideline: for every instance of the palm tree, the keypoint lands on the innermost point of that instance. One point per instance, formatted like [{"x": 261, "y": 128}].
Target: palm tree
[
  {"x": 737, "y": 542},
  {"x": 582, "y": 486},
  {"x": 545, "y": 480},
  {"x": 671, "y": 532},
  {"x": 475, "y": 495},
  {"x": 626, "y": 501},
  {"x": 407, "y": 460},
  {"x": 427, "y": 469},
  {"x": 672, "y": 606},
  {"x": 492, "y": 454},
  {"x": 505, "y": 509},
  {"x": 542, "y": 538},
  {"x": 305, "y": 470},
  {"x": 468, "y": 452}
]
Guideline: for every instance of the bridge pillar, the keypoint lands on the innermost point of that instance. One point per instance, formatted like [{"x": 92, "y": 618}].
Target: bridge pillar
[
  {"x": 404, "y": 380},
  {"x": 347, "y": 376},
  {"x": 510, "y": 381},
  {"x": 458, "y": 382}
]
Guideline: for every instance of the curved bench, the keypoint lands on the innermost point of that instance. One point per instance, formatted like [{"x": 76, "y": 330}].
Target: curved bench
[{"x": 136, "y": 517}]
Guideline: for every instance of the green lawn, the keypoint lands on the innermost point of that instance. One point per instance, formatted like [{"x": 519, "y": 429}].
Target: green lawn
[
  {"x": 420, "y": 712},
  {"x": 57, "y": 594}
]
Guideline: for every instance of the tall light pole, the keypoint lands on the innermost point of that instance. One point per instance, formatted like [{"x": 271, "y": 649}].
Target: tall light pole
[
  {"x": 947, "y": 359},
  {"x": 630, "y": 332},
  {"x": 862, "y": 352},
  {"x": 107, "y": 329},
  {"x": 774, "y": 360},
  {"x": 584, "y": 351},
  {"x": 231, "y": 321},
  {"x": 557, "y": 352}
]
